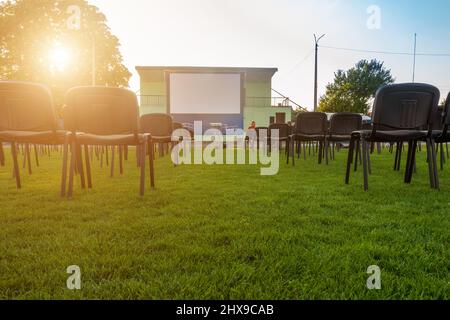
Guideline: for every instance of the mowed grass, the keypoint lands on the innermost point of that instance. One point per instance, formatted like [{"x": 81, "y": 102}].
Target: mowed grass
[{"x": 225, "y": 232}]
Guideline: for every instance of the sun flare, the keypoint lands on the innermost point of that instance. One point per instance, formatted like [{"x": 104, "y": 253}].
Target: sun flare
[{"x": 59, "y": 58}]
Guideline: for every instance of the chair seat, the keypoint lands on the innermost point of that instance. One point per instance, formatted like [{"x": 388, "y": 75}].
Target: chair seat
[
  {"x": 437, "y": 135},
  {"x": 117, "y": 139},
  {"x": 308, "y": 137},
  {"x": 162, "y": 139},
  {"x": 390, "y": 136},
  {"x": 339, "y": 137},
  {"x": 280, "y": 138},
  {"x": 38, "y": 137}
]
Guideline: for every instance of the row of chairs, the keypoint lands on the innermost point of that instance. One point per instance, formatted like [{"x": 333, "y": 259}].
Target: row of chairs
[
  {"x": 314, "y": 127},
  {"x": 101, "y": 116},
  {"x": 93, "y": 116},
  {"x": 402, "y": 113}
]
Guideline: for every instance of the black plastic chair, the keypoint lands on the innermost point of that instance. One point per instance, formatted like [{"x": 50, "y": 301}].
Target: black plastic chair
[
  {"x": 443, "y": 136},
  {"x": 257, "y": 134},
  {"x": 341, "y": 127},
  {"x": 27, "y": 115},
  {"x": 309, "y": 127},
  {"x": 284, "y": 131},
  {"x": 104, "y": 116},
  {"x": 404, "y": 109},
  {"x": 160, "y": 126}
]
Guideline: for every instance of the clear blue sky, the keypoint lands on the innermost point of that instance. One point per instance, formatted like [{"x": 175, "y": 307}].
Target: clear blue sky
[{"x": 279, "y": 33}]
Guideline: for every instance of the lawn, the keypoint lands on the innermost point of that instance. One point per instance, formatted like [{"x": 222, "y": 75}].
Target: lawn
[{"x": 225, "y": 232}]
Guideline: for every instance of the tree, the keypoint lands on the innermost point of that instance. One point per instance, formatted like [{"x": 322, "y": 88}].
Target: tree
[
  {"x": 37, "y": 43},
  {"x": 352, "y": 90}
]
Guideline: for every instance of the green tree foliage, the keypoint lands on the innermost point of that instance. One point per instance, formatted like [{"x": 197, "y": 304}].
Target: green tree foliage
[
  {"x": 32, "y": 31},
  {"x": 352, "y": 90}
]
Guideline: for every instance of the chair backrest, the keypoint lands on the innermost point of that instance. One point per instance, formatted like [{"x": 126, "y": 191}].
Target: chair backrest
[
  {"x": 405, "y": 106},
  {"x": 447, "y": 111},
  {"x": 436, "y": 118},
  {"x": 446, "y": 117},
  {"x": 283, "y": 129},
  {"x": 157, "y": 124},
  {"x": 312, "y": 123},
  {"x": 345, "y": 123},
  {"x": 26, "y": 107},
  {"x": 101, "y": 111},
  {"x": 367, "y": 126}
]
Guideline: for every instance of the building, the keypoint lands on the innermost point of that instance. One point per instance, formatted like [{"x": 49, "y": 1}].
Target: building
[{"x": 230, "y": 96}]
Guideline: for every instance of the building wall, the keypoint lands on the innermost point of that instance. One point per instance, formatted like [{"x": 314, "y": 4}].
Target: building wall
[
  {"x": 259, "y": 109},
  {"x": 258, "y": 89},
  {"x": 155, "y": 88}
]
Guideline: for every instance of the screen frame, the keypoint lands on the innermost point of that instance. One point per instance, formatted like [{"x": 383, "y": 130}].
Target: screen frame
[{"x": 167, "y": 75}]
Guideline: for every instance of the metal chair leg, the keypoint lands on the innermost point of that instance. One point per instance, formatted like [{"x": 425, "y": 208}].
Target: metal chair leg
[
  {"x": 28, "y": 158},
  {"x": 102, "y": 151},
  {"x": 143, "y": 147},
  {"x": 365, "y": 164},
  {"x": 321, "y": 151},
  {"x": 64, "y": 166},
  {"x": 36, "y": 155},
  {"x": 120, "y": 159},
  {"x": 72, "y": 169},
  {"x": 357, "y": 155},
  {"x": 151, "y": 151},
  {"x": 80, "y": 166},
  {"x": 16, "y": 165},
  {"x": 2, "y": 155},
  {"x": 430, "y": 164},
  {"x": 293, "y": 151},
  {"x": 435, "y": 170},
  {"x": 349, "y": 160},
  {"x": 288, "y": 150},
  {"x": 113, "y": 152},
  {"x": 88, "y": 166},
  {"x": 409, "y": 162}
]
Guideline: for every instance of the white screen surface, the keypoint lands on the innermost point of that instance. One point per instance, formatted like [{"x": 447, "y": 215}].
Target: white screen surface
[{"x": 205, "y": 93}]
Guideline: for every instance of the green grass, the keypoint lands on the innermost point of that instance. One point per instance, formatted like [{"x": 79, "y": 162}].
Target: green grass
[{"x": 225, "y": 232}]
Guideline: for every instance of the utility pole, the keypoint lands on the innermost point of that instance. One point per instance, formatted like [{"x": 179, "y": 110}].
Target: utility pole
[
  {"x": 415, "y": 53},
  {"x": 316, "y": 40}
]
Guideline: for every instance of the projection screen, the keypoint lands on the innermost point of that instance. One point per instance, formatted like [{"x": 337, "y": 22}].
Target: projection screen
[{"x": 205, "y": 93}]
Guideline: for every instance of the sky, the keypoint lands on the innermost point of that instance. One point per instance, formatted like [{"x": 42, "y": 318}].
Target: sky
[{"x": 279, "y": 33}]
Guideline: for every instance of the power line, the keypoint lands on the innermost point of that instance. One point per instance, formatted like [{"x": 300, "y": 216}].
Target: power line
[
  {"x": 388, "y": 52},
  {"x": 298, "y": 64}
]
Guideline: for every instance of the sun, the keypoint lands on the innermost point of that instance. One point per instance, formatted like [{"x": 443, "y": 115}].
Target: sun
[{"x": 59, "y": 58}]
